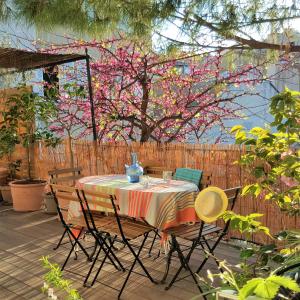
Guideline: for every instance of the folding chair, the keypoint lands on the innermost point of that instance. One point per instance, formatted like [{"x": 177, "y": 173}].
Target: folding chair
[
  {"x": 199, "y": 235},
  {"x": 67, "y": 177},
  {"x": 186, "y": 174},
  {"x": 63, "y": 195},
  {"x": 121, "y": 229},
  {"x": 191, "y": 175},
  {"x": 156, "y": 171}
]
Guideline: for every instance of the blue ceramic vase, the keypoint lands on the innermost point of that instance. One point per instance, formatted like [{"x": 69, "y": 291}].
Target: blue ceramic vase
[{"x": 134, "y": 171}]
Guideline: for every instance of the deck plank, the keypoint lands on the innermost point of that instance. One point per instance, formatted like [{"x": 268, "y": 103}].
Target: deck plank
[{"x": 26, "y": 237}]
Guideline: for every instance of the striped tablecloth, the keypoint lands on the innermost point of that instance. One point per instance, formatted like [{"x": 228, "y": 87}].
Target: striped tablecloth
[{"x": 162, "y": 205}]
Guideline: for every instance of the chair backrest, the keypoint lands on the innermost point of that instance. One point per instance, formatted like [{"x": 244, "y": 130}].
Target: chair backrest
[
  {"x": 210, "y": 203},
  {"x": 186, "y": 174},
  {"x": 232, "y": 195},
  {"x": 156, "y": 171},
  {"x": 62, "y": 196},
  {"x": 66, "y": 176},
  {"x": 95, "y": 201},
  {"x": 206, "y": 180},
  {"x": 101, "y": 201}
]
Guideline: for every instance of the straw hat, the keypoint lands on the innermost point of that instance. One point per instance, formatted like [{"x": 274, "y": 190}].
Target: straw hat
[{"x": 210, "y": 204}]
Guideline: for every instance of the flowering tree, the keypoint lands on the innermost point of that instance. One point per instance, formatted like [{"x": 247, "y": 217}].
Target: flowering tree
[
  {"x": 72, "y": 113},
  {"x": 142, "y": 95}
]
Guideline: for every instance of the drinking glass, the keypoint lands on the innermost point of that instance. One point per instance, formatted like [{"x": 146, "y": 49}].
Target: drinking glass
[
  {"x": 167, "y": 176},
  {"x": 145, "y": 181}
]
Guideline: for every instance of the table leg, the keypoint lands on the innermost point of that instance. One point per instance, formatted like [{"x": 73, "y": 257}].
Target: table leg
[{"x": 168, "y": 262}]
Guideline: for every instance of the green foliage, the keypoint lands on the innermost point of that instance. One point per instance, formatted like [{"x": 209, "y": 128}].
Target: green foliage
[
  {"x": 54, "y": 278},
  {"x": 225, "y": 19},
  {"x": 267, "y": 288},
  {"x": 14, "y": 167},
  {"x": 245, "y": 224},
  {"x": 19, "y": 123},
  {"x": 274, "y": 157},
  {"x": 8, "y": 140}
]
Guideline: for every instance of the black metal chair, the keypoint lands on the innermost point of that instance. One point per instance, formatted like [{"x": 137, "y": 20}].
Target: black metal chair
[
  {"x": 63, "y": 195},
  {"x": 200, "y": 235},
  {"x": 122, "y": 229},
  {"x": 67, "y": 177},
  {"x": 205, "y": 181}
]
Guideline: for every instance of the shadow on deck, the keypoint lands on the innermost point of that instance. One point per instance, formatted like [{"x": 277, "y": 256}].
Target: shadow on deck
[{"x": 26, "y": 237}]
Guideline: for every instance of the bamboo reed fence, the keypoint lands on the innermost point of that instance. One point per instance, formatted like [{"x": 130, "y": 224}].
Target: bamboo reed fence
[{"x": 110, "y": 158}]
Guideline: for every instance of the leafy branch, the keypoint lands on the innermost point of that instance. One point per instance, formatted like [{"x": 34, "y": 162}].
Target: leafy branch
[{"x": 54, "y": 278}]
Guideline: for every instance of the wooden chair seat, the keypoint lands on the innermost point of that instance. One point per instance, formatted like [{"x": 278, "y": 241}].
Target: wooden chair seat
[
  {"x": 101, "y": 221},
  {"x": 191, "y": 232},
  {"x": 131, "y": 229}
]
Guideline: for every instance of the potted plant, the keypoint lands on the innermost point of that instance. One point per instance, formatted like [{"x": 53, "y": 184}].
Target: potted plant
[
  {"x": 49, "y": 203},
  {"x": 22, "y": 114},
  {"x": 8, "y": 140},
  {"x": 13, "y": 168}
]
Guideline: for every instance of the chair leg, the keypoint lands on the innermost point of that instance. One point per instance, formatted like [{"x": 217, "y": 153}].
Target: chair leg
[
  {"x": 94, "y": 250},
  {"x": 111, "y": 244},
  {"x": 192, "y": 274},
  {"x": 92, "y": 266},
  {"x": 76, "y": 239},
  {"x": 211, "y": 250},
  {"x": 74, "y": 243},
  {"x": 168, "y": 263},
  {"x": 153, "y": 241},
  {"x": 107, "y": 251},
  {"x": 112, "y": 247},
  {"x": 137, "y": 259},
  {"x": 67, "y": 259},
  {"x": 60, "y": 240},
  {"x": 184, "y": 263}
]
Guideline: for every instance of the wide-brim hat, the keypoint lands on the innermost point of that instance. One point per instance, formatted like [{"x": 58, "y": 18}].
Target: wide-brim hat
[{"x": 210, "y": 204}]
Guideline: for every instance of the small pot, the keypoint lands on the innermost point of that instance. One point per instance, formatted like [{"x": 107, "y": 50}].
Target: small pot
[
  {"x": 6, "y": 193},
  {"x": 27, "y": 195},
  {"x": 227, "y": 295},
  {"x": 50, "y": 204}
]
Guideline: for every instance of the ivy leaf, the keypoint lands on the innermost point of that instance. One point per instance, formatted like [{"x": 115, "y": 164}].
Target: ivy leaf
[
  {"x": 267, "y": 288},
  {"x": 249, "y": 288},
  {"x": 285, "y": 282}
]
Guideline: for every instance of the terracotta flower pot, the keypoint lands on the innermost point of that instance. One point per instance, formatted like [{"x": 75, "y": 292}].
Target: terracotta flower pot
[
  {"x": 6, "y": 193},
  {"x": 27, "y": 195}
]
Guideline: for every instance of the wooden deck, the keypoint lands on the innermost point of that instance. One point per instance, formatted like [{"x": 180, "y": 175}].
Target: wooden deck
[{"x": 26, "y": 237}]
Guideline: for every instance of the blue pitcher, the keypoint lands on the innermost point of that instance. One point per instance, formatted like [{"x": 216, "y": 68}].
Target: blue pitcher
[{"x": 134, "y": 171}]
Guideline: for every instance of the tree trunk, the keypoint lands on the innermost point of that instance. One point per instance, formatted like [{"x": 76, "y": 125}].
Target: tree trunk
[
  {"x": 70, "y": 150},
  {"x": 28, "y": 162},
  {"x": 145, "y": 132}
]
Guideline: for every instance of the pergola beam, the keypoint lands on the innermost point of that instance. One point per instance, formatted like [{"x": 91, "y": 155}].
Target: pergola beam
[{"x": 16, "y": 60}]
